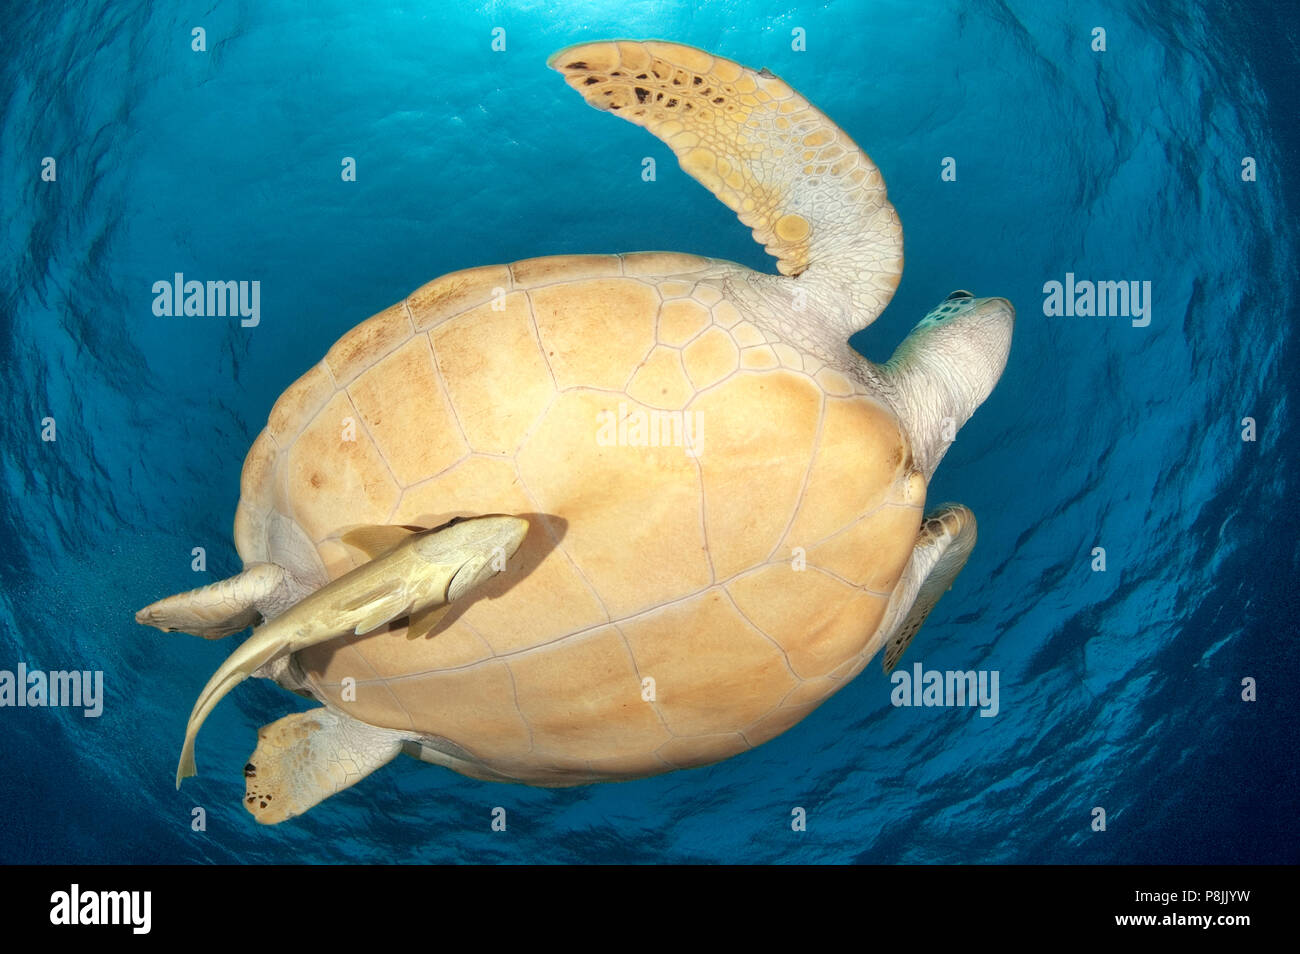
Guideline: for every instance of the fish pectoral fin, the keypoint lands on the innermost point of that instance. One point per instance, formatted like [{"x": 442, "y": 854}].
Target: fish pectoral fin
[
  {"x": 475, "y": 571},
  {"x": 375, "y": 541},
  {"x": 381, "y": 603},
  {"x": 380, "y": 607},
  {"x": 423, "y": 623}
]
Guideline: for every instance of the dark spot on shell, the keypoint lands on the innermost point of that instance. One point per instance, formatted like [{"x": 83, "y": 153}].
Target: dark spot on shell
[
  {"x": 696, "y": 81},
  {"x": 671, "y": 103},
  {"x": 590, "y": 80},
  {"x": 317, "y": 480},
  {"x": 576, "y": 65},
  {"x": 641, "y": 76},
  {"x": 642, "y": 94},
  {"x": 717, "y": 99},
  {"x": 250, "y": 799},
  {"x": 250, "y": 770}
]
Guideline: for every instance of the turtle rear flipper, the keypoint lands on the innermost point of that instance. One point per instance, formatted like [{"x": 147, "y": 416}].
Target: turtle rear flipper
[
  {"x": 220, "y": 608},
  {"x": 427, "y": 570},
  {"x": 306, "y": 757}
]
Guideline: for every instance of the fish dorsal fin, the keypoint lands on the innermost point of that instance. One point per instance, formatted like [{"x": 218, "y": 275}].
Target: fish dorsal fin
[{"x": 375, "y": 541}]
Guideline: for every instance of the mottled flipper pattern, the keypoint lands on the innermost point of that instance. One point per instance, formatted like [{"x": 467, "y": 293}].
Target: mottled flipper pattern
[
  {"x": 306, "y": 757},
  {"x": 812, "y": 197}
]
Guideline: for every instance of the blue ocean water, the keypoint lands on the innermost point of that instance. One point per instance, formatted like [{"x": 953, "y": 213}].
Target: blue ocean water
[{"x": 1119, "y": 689}]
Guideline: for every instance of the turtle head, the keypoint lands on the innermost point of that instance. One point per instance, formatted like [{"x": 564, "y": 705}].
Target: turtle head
[{"x": 946, "y": 368}]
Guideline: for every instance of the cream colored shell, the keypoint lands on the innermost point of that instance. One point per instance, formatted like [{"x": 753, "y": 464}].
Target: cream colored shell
[{"x": 672, "y": 605}]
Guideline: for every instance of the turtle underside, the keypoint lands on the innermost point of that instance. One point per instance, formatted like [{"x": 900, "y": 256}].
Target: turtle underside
[{"x": 718, "y": 519}]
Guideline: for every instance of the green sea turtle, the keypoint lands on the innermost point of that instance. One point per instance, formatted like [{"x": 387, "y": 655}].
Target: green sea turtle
[{"x": 724, "y": 500}]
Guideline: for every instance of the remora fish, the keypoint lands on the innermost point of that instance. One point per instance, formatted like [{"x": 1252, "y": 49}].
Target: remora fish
[{"x": 417, "y": 577}]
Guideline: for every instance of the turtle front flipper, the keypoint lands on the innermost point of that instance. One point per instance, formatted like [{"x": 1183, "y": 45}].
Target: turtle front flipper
[
  {"x": 220, "y": 608},
  {"x": 306, "y": 757},
  {"x": 813, "y": 198},
  {"x": 943, "y": 545}
]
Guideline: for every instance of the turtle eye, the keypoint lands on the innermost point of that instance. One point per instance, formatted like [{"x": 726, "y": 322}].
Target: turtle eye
[{"x": 958, "y": 294}]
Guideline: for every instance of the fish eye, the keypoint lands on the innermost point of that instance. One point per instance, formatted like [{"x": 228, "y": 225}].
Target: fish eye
[{"x": 958, "y": 294}]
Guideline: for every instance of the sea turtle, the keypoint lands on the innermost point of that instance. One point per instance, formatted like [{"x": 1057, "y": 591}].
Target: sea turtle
[{"x": 724, "y": 500}]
